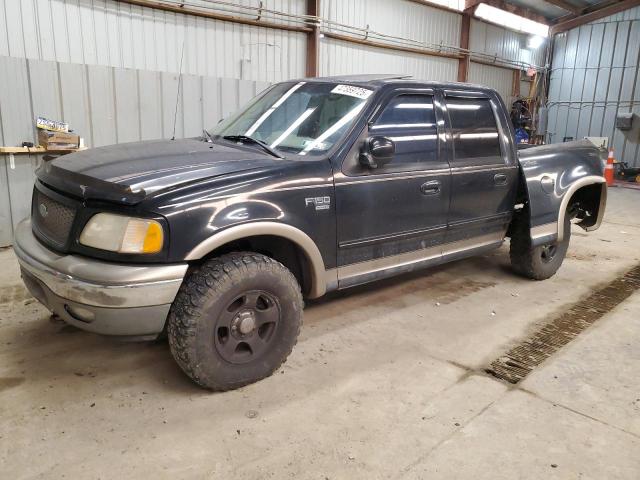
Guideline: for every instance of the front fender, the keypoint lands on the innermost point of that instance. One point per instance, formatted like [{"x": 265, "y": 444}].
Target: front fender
[{"x": 319, "y": 274}]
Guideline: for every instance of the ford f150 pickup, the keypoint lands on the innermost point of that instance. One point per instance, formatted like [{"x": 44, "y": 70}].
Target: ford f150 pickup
[{"x": 316, "y": 185}]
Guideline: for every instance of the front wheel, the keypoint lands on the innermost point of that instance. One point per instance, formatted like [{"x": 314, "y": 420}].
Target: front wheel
[
  {"x": 541, "y": 262},
  {"x": 235, "y": 320}
]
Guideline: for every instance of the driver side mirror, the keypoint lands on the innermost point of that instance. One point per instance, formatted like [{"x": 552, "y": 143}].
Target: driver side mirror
[{"x": 377, "y": 152}]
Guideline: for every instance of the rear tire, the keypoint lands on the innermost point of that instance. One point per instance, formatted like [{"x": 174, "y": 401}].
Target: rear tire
[
  {"x": 235, "y": 320},
  {"x": 541, "y": 262}
]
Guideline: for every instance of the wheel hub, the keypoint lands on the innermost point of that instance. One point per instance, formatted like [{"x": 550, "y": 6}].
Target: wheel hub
[
  {"x": 246, "y": 328},
  {"x": 548, "y": 252},
  {"x": 244, "y": 323}
]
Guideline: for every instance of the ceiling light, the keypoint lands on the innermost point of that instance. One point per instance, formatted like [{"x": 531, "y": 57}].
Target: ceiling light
[
  {"x": 454, "y": 4},
  {"x": 534, "y": 42},
  {"x": 511, "y": 20}
]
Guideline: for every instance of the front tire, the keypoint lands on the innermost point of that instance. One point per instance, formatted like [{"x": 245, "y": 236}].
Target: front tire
[
  {"x": 235, "y": 320},
  {"x": 541, "y": 262}
]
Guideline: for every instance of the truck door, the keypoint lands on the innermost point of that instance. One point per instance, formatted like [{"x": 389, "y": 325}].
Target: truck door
[
  {"x": 394, "y": 217},
  {"x": 483, "y": 172}
]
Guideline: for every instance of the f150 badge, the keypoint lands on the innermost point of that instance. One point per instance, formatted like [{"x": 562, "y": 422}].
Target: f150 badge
[{"x": 321, "y": 203}]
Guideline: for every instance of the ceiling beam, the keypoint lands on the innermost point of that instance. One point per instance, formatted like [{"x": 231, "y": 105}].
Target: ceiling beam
[
  {"x": 523, "y": 12},
  {"x": 566, "y": 6},
  {"x": 612, "y": 9},
  {"x": 585, "y": 10}
]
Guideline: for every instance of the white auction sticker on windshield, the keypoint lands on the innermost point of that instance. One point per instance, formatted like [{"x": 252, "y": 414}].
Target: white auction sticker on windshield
[{"x": 352, "y": 91}]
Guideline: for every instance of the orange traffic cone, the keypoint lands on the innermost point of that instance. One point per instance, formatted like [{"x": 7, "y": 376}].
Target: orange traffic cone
[{"x": 608, "y": 169}]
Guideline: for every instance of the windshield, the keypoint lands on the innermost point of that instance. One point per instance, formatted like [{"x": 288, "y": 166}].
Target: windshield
[{"x": 298, "y": 118}]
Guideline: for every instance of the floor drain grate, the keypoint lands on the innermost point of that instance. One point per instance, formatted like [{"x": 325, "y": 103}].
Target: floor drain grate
[{"x": 523, "y": 358}]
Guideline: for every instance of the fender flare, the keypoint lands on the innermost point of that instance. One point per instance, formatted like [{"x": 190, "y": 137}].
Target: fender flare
[
  {"x": 573, "y": 188},
  {"x": 276, "y": 229}
]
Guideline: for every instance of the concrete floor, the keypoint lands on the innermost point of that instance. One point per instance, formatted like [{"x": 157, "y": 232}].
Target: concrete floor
[{"x": 386, "y": 382}]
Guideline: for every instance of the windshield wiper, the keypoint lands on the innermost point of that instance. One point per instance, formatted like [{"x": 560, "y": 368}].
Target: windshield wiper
[{"x": 255, "y": 141}]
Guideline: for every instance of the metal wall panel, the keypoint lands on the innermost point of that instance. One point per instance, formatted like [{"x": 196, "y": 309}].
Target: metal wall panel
[
  {"x": 127, "y": 113},
  {"x": 6, "y": 226},
  {"x": 110, "y": 33},
  {"x": 400, "y": 18},
  {"x": 16, "y": 185},
  {"x": 20, "y": 176},
  {"x": 500, "y": 79},
  {"x": 74, "y": 95},
  {"x": 105, "y": 105},
  {"x": 16, "y": 126},
  {"x": 108, "y": 105},
  {"x": 342, "y": 58},
  {"x": 431, "y": 25},
  {"x": 16, "y": 117},
  {"x": 496, "y": 41},
  {"x": 595, "y": 74}
]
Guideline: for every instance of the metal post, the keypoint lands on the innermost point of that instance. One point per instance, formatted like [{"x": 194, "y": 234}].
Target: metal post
[
  {"x": 313, "y": 39},
  {"x": 463, "y": 63}
]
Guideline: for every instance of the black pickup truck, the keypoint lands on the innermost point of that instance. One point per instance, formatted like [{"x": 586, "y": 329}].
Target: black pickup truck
[{"x": 316, "y": 185}]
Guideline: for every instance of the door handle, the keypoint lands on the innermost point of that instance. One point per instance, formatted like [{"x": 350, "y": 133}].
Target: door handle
[
  {"x": 430, "y": 188},
  {"x": 500, "y": 179}
]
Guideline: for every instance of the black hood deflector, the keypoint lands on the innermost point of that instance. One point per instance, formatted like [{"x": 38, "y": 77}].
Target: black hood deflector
[{"x": 127, "y": 173}]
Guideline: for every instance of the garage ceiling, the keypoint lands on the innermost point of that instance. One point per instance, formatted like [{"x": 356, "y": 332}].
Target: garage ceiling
[{"x": 560, "y": 14}]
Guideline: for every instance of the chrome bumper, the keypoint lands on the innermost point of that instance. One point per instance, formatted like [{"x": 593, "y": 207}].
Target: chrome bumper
[{"x": 103, "y": 297}]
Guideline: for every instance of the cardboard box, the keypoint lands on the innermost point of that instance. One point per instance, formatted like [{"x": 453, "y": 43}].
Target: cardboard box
[{"x": 58, "y": 140}]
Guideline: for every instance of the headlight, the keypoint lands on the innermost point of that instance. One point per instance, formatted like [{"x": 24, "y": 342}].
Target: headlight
[{"x": 118, "y": 233}]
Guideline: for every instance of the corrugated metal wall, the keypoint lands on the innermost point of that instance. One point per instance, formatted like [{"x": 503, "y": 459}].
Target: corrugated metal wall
[
  {"x": 343, "y": 58},
  {"x": 400, "y": 18},
  {"x": 105, "y": 32},
  {"x": 108, "y": 105},
  {"x": 497, "y": 42},
  {"x": 105, "y": 105},
  {"x": 110, "y": 33},
  {"x": 501, "y": 79},
  {"x": 595, "y": 75}
]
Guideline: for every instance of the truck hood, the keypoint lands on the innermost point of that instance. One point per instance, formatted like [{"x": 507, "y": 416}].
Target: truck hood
[{"x": 127, "y": 173}]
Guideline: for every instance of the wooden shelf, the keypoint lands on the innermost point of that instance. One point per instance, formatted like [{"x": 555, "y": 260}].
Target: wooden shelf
[{"x": 27, "y": 150}]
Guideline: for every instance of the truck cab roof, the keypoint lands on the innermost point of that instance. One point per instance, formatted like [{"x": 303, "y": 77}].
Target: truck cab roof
[{"x": 377, "y": 81}]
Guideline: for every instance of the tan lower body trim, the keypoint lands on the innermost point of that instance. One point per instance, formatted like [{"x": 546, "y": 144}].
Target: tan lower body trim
[
  {"x": 331, "y": 279},
  {"x": 408, "y": 258},
  {"x": 544, "y": 230}
]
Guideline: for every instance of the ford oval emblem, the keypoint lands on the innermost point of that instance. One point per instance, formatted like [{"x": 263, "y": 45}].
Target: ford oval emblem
[{"x": 42, "y": 208}]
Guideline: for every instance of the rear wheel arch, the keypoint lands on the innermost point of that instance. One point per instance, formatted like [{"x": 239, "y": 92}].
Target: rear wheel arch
[{"x": 590, "y": 195}]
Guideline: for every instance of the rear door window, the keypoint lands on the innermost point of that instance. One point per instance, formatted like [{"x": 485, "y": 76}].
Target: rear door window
[{"x": 476, "y": 140}]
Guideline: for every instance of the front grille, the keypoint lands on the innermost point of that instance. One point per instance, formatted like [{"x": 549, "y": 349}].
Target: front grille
[{"x": 51, "y": 219}]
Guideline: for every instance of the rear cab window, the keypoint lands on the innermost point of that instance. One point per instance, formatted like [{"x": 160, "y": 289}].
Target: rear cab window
[{"x": 476, "y": 138}]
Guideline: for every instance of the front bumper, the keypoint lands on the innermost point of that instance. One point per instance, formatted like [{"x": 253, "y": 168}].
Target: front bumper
[{"x": 101, "y": 297}]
